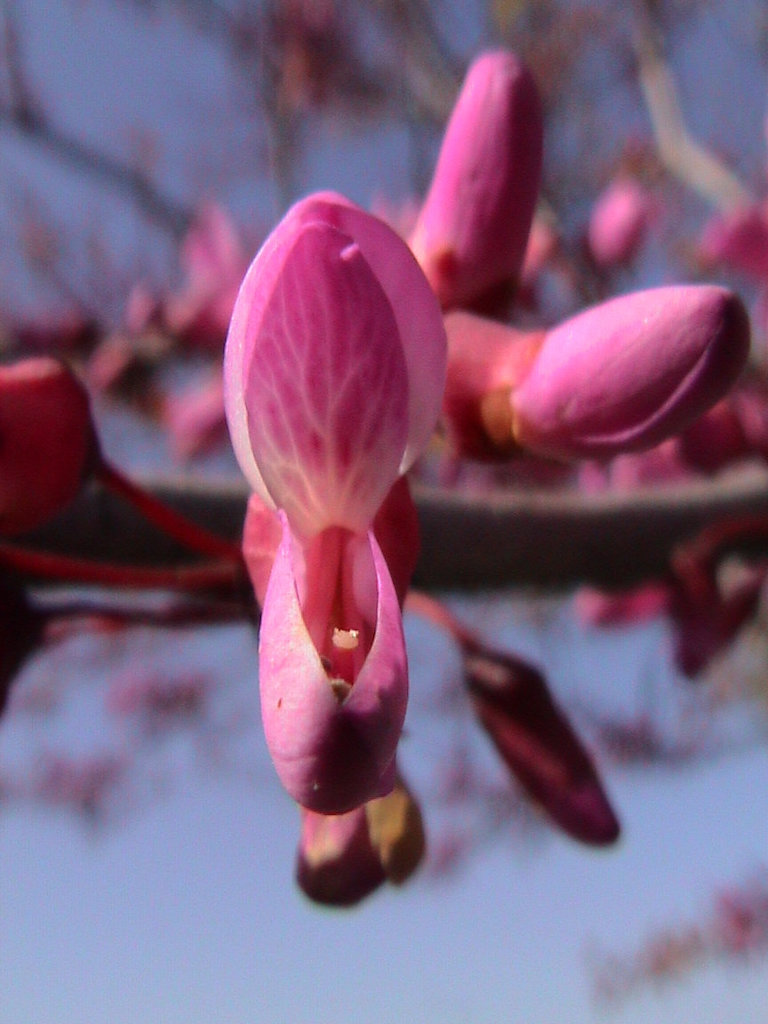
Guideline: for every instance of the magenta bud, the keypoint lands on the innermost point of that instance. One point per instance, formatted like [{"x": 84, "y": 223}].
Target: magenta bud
[
  {"x": 618, "y": 222},
  {"x": 472, "y": 230},
  {"x": 626, "y": 374},
  {"x": 538, "y": 744},
  {"x": 47, "y": 442}
]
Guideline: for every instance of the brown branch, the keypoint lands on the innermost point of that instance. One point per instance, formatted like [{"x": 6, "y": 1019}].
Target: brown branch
[{"x": 469, "y": 541}]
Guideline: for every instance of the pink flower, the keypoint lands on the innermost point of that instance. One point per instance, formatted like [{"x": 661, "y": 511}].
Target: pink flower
[
  {"x": 334, "y": 371},
  {"x": 624, "y": 375},
  {"x": 472, "y": 230}
]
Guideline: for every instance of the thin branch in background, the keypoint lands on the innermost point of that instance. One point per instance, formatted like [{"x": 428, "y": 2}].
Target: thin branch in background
[
  {"x": 22, "y": 115},
  {"x": 682, "y": 155}
]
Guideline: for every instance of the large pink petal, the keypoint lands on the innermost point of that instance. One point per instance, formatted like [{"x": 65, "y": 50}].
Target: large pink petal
[
  {"x": 326, "y": 385},
  {"x": 333, "y": 747}
]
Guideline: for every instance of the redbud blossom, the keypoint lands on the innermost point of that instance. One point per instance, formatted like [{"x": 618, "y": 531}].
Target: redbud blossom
[
  {"x": 47, "y": 442},
  {"x": 623, "y": 375},
  {"x": 334, "y": 370},
  {"x": 472, "y": 230}
]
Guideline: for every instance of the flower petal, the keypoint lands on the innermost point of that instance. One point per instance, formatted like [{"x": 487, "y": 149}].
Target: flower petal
[
  {"x": 325, "y": 382},
  {"x": 413, "y": 302}
]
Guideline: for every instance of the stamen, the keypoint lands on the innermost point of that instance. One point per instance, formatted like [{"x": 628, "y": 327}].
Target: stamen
[
  {"x": 345, "y": 639},
  {"x": 340, "y": 688}
]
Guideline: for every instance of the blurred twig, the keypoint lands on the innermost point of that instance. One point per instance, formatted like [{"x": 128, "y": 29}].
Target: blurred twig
[{"x": 683, "y": 156}]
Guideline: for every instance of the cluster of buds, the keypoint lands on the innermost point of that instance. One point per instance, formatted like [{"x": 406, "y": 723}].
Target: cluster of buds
[{"x": 344, "y": 348}]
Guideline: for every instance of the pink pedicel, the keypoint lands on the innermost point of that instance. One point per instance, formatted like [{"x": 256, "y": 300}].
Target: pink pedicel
[
  {"x": 334, "y": 372},
  {"x": 486, "y": 360},
  {"x": 47, "y": 442},
  {"x": 472, "y": 230},
  {"x": 624, "y": 375},
  {"x": 618, "y": 222}
]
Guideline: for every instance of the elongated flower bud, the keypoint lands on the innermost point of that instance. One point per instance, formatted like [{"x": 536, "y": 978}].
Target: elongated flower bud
[
  {"x": 624, "y": 375},
  {"x": 472, "y": 230}
]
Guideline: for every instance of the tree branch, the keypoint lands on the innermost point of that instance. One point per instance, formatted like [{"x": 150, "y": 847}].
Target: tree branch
[{"x": 507, "y": 539}]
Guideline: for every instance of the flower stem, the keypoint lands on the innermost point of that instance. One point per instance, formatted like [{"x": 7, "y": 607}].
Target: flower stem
[
  {"x": 172, "y": 523},
  {"x": 215, "y": 575}
]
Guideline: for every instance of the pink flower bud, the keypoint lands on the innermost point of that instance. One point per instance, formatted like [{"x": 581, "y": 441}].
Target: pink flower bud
[
  {"x": 618, "y": 222},
  {"x": 623, "y": 375},
  {"x": 46, "y": 442},
  {"x": 472, "y": 231},
  {"x": 334, "y": 366}
]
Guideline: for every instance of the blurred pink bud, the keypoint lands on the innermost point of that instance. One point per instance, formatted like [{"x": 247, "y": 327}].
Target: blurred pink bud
[
  {"x": 47, "y": 442},
  {"x": 739, "y": 239},
  {"x": 343, "y": 858},
  {"x": 159, "y": 698},
  {"x": 472, "y": 231},
  {"x": 334, "y": 370},
  {"x": 541, "y": 249},
  {"x": 21, "y": 630},
  {"x": 213, "y": 262},
  {"x": 618, "y": 222},
  {"x": 194, "y": 418},
  {"x": 603, "y": 608},
  {"x": 624, "y": 375},
  {"x": 538, "y": 744},
  {"x": 83, "y": 784},
  {"x": 336, "y": 864}
]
